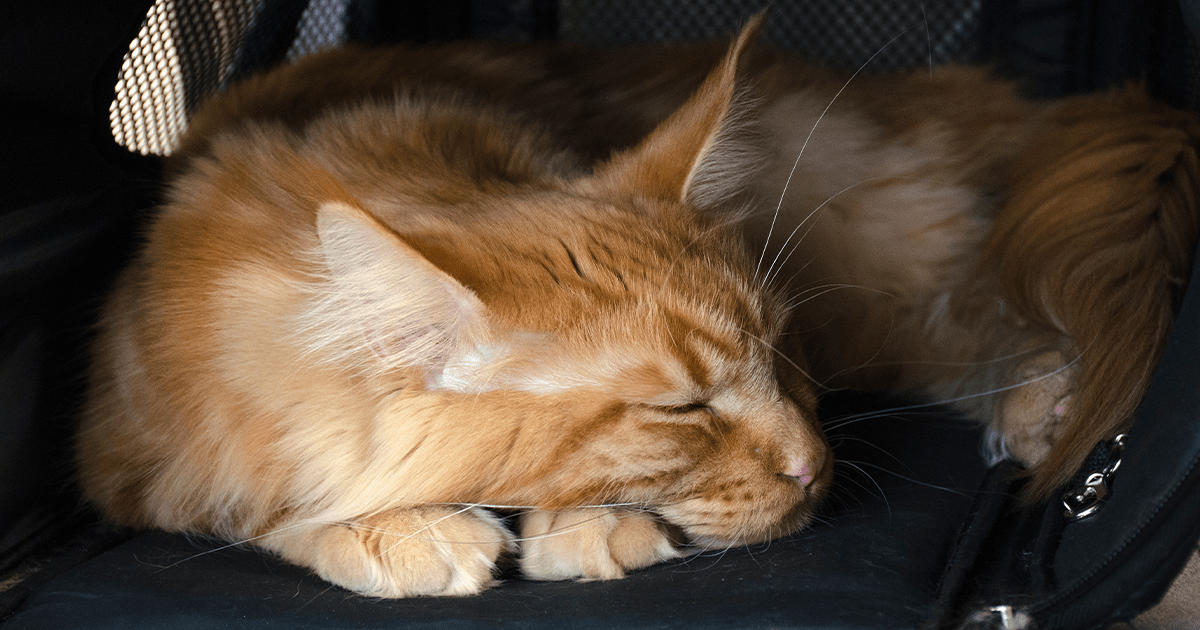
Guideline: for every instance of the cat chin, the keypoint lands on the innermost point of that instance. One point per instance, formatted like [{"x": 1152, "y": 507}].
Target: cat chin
[
  {"x": 740, "y": 525},
  {"x": 703, "y": 541}
]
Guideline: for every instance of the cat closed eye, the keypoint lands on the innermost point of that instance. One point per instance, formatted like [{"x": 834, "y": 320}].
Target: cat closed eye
[{"x": 681, "y": 409}]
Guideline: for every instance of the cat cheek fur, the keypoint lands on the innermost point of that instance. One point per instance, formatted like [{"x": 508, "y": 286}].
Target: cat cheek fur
[
  {"x": 722, "y": 481},
  {"x": 767, "y": 473}
]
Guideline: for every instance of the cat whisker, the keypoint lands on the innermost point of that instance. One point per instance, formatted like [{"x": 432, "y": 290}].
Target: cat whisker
[
  {"x": 233, "y": 544},
  {"x": 759, "y": 549},
  {"x": 849, "y": 438},
  {"x": 796, "y": 163},
  {"x": 824, "y": 289},
  {"x": 414, "y": 535},
  {"x": 820, "y": 290},
  {"x": 994, "y": 360},
  {"x": 425, "y": 528},
  {"x": 836, "y": 493},
  {"x": 495, "y": 506},
  {"x": 928, "y": 39},
  {"x": 911, "y": 479},
  {"x": 785, "y": 357},
  {"x": 882, "y": 494},
  {"x": 715, "y": 555},
  {"x": 820, "y": 520},
  {"x": 314, "y": 597},
  {"x": 841, "y": 422},
  {"x": 893, "y": 412},
  {"x": 773, "y": 271}
]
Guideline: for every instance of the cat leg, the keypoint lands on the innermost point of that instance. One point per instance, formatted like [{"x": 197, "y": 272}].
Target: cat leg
[
  {"x": 969, "y": 348},
  {"x": 429, "y": 550},
  {"x": 1030, "y": 417},
  {"x": 592, "y": 543},
  {"x": 1013, "y": 376}
]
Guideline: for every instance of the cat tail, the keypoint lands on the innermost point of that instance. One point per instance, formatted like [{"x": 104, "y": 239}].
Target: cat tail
[{"x": 1095, "y": 240}]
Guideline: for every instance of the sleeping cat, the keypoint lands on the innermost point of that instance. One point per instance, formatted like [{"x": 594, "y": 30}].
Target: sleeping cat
[
  {"x": 372, "y": 306},
  {"x": 942, "y": 235},
  {"x": 341, "y": 341}
]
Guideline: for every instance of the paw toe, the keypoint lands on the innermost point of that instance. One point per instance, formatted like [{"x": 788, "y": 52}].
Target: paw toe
[{"x": 591, "y": 544}]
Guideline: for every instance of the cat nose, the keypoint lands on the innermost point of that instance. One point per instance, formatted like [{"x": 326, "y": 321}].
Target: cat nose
[
  {"x": 800, "y": 472},
  {"x": 802, "y": 469}
]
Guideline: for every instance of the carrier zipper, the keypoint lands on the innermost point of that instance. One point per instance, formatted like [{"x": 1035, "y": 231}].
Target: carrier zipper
[
  {"x": 1070, "y": 592},
  {"x": 1086, "y": 498}
]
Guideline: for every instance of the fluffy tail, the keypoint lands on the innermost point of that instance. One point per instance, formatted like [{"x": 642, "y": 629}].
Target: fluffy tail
[{"x": 1095, "y": 239}]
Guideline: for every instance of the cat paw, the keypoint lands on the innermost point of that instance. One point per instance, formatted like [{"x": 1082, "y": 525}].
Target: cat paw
[
  {"x": 410, "y": 552},
  {"x": 1031, "y": 417},
  {"x": 592, "y": 543}
]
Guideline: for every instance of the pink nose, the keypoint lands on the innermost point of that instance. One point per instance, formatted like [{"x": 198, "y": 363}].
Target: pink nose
[{"x": 800, "y": 472}]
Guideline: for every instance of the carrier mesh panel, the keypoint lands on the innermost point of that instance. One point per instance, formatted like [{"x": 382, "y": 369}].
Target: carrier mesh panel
[
  {"x": 840, "y": 33},
  {"x": 187, "y": 49},
  {"x": 322, "y": 26},
  {"x": 147, "y": 112}
]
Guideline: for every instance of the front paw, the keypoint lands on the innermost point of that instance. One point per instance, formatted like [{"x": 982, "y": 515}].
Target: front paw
[
  {"x": 421, "y": 551},
  {"x": 592, "y": 543},
  {"x": 1033, "y": 415}
]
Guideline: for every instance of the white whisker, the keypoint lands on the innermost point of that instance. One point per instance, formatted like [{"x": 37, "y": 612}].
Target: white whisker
[
  {"x": 882, "y": 494},
  {"x": 796, "y": 163},
  {"x": 893, "y": 473},
  {"x": 783, "y": 356},
  {"x": 781, "y": 264},
  {"x": 841, "y": 422},
  {"x": 928, "y": 40},
  {"x": 237, "y": 543}
]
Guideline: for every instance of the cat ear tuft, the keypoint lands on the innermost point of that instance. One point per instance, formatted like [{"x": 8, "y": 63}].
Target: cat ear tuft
[
  {"x": 381, "y": 305},
  {"x": 703, "y": 153}
]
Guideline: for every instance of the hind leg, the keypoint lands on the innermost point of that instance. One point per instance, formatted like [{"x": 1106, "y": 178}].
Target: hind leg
[
  {"x": 967, "y": 347},
  {"x": 1030, "y": 417},
  {"x": 401, "y": 553},
  {"x": 1015, "y": 377}
]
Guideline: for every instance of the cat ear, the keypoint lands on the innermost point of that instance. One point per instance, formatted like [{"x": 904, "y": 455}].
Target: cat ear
[
  {"x": 381, "y": 304},
  {"x": 700, "y": 154}
]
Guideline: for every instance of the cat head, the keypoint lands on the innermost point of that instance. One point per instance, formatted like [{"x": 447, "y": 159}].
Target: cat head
[{"x": 610, "y": 332}]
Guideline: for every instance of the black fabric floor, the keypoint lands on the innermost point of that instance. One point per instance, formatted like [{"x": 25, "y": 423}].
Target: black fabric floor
[{"x": 905, "y": 486}]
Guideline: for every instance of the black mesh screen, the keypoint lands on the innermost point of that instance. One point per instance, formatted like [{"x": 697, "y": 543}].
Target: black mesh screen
[
  {"x": 187, "y": 49},
  {"x": 839, "y": 33},
  {"x": 322, "y": 26},
  {"x": 147, "y": 112}
]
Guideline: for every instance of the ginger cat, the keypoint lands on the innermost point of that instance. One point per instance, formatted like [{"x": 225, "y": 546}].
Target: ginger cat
[
  {"x": 371, "y": 306},
  {"x": 1018, "y": 259},
  {"x": 936, "y": 232},
  {"x": 343, "y": 342}
]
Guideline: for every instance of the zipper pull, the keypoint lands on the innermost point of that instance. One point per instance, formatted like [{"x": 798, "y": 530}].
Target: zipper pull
[{"x": 1086, "y": 498}]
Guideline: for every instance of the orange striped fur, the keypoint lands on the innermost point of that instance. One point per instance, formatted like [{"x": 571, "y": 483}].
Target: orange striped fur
[{"x": 372, "y": 305}]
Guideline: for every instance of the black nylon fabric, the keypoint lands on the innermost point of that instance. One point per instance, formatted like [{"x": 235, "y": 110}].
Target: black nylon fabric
[
  {"x": 1131, "y": 550},
  {"x": 890, "y": 554},
  {"x": 66, "y": 205},
  {"x": 1119, "y": 562},
  {"x": 873, "y": 563}
]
